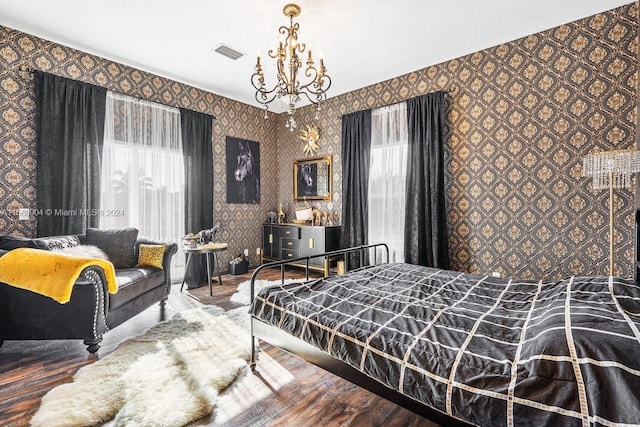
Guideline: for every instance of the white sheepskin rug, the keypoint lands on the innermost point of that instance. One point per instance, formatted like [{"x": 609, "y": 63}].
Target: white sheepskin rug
[
  {"x": 243, "y": 293},
  {"x": 168, "y": 376}
]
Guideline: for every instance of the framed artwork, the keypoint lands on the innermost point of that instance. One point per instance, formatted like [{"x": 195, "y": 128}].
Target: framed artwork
[
  {"x": 243, "y": 171},
  {"x": 312, "y": 179}
]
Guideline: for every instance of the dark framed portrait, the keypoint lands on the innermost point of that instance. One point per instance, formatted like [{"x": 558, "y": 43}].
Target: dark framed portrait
[{"x": 243, "y": 171}]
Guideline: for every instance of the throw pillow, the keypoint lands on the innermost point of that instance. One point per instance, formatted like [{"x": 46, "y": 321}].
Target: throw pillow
[
  {"x": 9, "y": 243},
  {"x": 119, "y": 245},
  {"x": 53, "y": 243},
  {"x": 151, "y": 256},
  {"x": 88, "y": 251}
]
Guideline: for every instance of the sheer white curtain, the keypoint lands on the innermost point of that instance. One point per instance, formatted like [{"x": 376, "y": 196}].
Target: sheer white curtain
[
  {"x": 387, "y": 178},
  {"x": 142, "y": 169}
]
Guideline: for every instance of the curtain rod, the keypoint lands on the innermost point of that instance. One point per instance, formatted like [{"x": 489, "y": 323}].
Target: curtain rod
[
  {"x": 25, "y": 69},
  {"x": 451, "y": 89}
]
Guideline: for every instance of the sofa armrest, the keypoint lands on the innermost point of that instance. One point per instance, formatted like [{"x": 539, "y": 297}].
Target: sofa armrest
[
  {"x": 28, "y": 315},
  {"x": 171, "y": 250}
]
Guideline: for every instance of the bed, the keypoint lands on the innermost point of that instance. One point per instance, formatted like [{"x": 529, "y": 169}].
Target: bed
[{"x": 465, "y": 349}]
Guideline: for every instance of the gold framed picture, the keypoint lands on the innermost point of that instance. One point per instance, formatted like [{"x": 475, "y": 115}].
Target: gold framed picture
[{"x": 312, "y": 179}]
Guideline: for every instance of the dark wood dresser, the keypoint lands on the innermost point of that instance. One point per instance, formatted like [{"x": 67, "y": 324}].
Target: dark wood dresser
[{"x": 290, "y": 241}]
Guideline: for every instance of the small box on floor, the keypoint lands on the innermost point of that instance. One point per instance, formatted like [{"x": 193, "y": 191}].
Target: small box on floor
[{"x": 238, "y": 265}]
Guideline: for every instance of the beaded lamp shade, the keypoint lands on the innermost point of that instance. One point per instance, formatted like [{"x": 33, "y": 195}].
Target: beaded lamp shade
[{"x": 611, "y": 169}]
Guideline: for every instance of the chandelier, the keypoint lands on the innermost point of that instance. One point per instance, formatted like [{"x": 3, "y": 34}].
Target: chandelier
[{"x": 289, "y": 88}]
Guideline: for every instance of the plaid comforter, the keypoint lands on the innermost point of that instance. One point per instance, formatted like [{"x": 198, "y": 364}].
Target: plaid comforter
[{"x": 486, "y": 350}]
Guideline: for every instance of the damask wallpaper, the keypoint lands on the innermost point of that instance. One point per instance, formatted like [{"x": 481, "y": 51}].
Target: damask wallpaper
[
  {"x": 521, "y": 116},
  {"x": 242, "y": 223}
]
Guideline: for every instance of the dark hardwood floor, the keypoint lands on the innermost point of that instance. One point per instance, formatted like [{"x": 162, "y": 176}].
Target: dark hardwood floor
[{"x": 283, "y": 391}]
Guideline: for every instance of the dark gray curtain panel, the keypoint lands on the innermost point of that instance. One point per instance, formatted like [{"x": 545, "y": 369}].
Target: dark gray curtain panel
[
  {"x": 426, "y": 241},
  {"x": 70, "y": 132},
  {"x": 356, "y": 151},
  {"x": 198, "y": 168}
]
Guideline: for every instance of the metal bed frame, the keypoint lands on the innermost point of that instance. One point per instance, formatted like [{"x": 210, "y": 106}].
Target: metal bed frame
[{"x": 283, "y": 340}]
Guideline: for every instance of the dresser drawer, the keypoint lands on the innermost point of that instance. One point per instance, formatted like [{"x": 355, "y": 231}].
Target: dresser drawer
[
  {"x": 291, "y": 241},
  {"x": 289, "y": 232},
  {"x": 291, "y": 244},
  {"x": 289, "y": 254}
]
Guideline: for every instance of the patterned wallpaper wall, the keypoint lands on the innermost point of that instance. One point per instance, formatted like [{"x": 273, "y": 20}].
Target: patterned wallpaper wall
[
  {"x": 241, "y": 223},
  {"x": 521, "y": 117}
]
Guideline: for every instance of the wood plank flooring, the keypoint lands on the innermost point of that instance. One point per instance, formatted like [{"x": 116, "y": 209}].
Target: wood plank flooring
[{"x": 284, "y": 391}]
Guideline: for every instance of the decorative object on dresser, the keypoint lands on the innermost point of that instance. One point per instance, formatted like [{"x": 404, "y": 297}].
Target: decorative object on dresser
[
  {"x": 317, "y": 217},
  {"x": 271, "y": 217},
  {"x": 243, "y": 171},
  {"x": 304, "y": 214},
  {"x": 611, "y": 169},
  {"x": 281, "y": 214},
  {"x": 290, "y": 241},
  {"x": 310, "y": 136},
  {"x": 288, "y": 87},
  {"x": 312, "y": 179}
]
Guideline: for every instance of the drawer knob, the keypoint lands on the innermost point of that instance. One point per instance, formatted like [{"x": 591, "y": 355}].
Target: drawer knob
[{"x": 289, "y": 243}]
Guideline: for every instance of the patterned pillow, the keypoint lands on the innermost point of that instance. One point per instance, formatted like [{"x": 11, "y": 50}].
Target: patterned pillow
[
  {"x": 57, "y": 242},
  {"x": 46, "y": 243},
  {"x": 119, "y": 245},
  {"x": 151, "y": 256}
]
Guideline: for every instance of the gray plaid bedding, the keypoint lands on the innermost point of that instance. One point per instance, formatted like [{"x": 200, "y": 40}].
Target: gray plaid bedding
[{"x": 485, "y": 350}]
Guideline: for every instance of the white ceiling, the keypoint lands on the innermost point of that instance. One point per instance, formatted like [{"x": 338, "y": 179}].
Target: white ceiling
[{"x": 363, "y": 41}]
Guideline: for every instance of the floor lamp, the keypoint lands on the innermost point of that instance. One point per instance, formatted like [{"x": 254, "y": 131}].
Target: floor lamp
[{"x": 611, "y": 169}]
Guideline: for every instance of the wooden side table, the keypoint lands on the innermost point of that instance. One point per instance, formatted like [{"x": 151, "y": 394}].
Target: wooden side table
[{"x": 207, "y": 250}]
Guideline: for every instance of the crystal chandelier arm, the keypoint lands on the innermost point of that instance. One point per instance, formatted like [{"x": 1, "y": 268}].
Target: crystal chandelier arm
[
  {"x": 263, "y": 96},
  {"x": 280, "y": 52},
  {"x": 317, "y": 84},
  {"x": 313, "y": 98}
]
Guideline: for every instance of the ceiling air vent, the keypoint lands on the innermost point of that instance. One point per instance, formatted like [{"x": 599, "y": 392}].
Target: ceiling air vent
[{"x": 228, "y": 51}]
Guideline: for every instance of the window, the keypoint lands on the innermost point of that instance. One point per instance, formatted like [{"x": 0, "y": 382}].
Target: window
[
  {"x": 142, "y": 169},
  {"x": 387, "y": 178}
]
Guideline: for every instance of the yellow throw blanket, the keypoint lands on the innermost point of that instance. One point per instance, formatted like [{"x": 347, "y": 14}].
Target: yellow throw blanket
[{"x": 50, "y": 273}]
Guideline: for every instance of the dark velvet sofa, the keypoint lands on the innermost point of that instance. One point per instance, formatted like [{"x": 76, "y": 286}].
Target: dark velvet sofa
[{"x": 91, "y": 311}]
